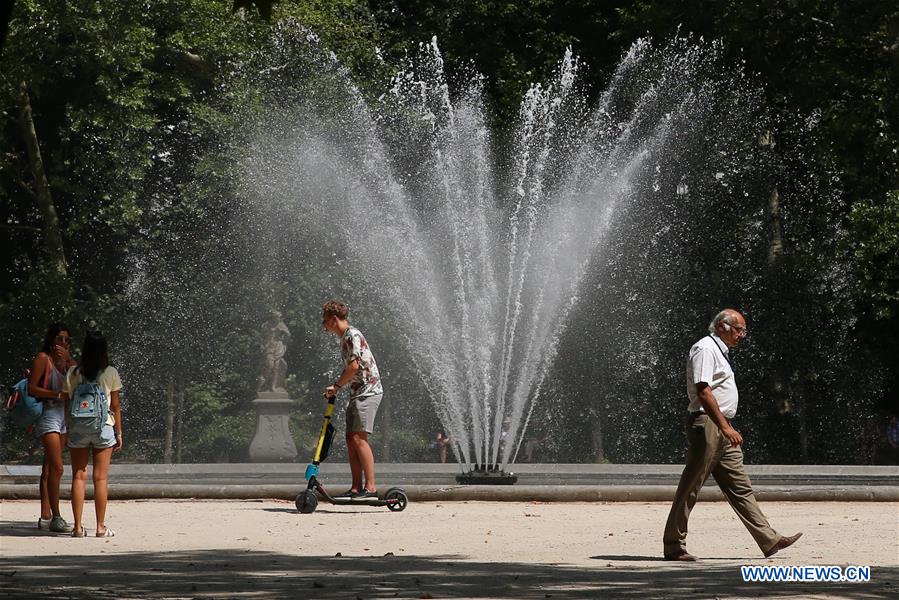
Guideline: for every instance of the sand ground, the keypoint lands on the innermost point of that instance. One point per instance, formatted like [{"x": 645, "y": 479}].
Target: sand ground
[{"x": 265, "y": 549}]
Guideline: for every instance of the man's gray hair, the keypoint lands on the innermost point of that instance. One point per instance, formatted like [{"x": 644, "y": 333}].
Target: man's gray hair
[{"x": 723, "y": 317}]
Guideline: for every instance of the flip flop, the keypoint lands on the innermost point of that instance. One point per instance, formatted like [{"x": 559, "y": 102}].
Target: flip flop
[
  {"x": 78, "y": 532},
  {"x": 108, "y": 533}
]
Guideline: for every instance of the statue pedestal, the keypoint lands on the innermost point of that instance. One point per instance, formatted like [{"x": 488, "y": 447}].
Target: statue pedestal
[{"x": 273, "y": 442}]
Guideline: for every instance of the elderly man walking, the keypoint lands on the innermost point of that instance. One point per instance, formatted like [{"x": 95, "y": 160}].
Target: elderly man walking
[{"x": 714, "y": 445}]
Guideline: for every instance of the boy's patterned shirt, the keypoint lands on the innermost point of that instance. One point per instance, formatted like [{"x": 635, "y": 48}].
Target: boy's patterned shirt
[{"x": 367, "y": 381}]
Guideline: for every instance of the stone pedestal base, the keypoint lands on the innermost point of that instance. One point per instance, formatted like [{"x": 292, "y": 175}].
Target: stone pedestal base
[{"x": 272, "y": 442}]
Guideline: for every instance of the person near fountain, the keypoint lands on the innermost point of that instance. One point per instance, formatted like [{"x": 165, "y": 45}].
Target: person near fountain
[
  {"x": 94, "y": 368},
  {"x": 714, "y": 446},
  {"x": 360, "y": 371},
  {"x": 441, "y": 444},
  {"x": 532, "y": 448},
  {"x": 45, "y": 382}
]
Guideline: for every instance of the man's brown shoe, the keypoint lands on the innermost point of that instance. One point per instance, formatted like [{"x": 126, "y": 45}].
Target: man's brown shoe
[
  {"x": 683, "y": 555},
  {"x": 785, "y": 542}
]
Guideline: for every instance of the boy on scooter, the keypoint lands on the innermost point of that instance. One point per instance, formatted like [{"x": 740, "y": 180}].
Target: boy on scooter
[{"x": 360, "y": 371}]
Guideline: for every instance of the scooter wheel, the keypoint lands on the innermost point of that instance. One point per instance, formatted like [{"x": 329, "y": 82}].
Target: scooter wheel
[
  {"x": 396, "y": 499},
  {"x": 307, "y": 501}
]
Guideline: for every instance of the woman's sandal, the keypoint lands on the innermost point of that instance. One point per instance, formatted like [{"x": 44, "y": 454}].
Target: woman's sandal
[
  {"x": 78, "y": 532},
  {"x": 106, "y": 533}
]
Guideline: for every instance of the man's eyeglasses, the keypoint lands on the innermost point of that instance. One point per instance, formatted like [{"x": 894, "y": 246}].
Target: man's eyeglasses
[{"x": 739, "y": 329}]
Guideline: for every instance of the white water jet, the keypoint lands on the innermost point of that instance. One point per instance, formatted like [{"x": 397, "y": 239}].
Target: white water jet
[{"x": 479, "y": 269}]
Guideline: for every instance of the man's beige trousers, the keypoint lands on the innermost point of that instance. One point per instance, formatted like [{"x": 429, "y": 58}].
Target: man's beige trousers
[{"x": 710, "y": 453}]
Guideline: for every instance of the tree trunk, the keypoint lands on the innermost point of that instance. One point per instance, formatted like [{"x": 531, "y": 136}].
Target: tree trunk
[
  {"x": 599, "y": 454},
  {"x": 779, "y": 390},
  {"x": 803, "y": 437},
  {"x": 802, "y": 421},
  {"x": 386, "y": 424},
  {"x": 775, "y": 230},
  {"x": 169, "y": 422},
  {"x": 775, "y": 243},
  {"x": 801, "y": 407},
  {"x": 52, "y": 232},
  {"x": 776, "y": 275},
  {"x": 179, "y": 410}
]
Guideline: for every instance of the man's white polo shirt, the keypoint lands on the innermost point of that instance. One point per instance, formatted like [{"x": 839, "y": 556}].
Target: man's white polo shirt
[{"x": 708, "y": 363}]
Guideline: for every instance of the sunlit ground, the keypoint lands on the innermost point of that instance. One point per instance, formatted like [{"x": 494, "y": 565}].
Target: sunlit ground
[{"x": 265, "y": 549}]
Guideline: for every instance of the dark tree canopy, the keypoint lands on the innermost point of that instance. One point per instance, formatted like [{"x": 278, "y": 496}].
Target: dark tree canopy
[{"x": 124, "y": 127}]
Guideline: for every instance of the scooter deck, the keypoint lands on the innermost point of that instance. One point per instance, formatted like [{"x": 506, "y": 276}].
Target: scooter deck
[
  {"x": 351, "y": 502},
  {"x": 394, "y": 499}
]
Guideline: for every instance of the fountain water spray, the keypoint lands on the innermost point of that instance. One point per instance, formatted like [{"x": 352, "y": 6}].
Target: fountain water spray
[{"x": 479, "y": 266}]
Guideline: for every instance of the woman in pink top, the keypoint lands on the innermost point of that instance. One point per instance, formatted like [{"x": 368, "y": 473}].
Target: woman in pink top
[{"x": 46, "y": 383}]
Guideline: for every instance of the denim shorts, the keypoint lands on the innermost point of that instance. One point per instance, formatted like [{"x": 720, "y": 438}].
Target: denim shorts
[
  {"x": 105, "y": 438},
  {"x": 52, "y": 420}
]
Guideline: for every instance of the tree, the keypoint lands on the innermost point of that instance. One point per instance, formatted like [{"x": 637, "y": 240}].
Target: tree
[{"x": 134, "y": 111}]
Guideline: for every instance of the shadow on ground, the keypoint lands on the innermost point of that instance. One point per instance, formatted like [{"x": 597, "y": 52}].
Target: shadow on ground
[
  {"x": 238, "y": 574},
  {"x": 231, "y": 573}
]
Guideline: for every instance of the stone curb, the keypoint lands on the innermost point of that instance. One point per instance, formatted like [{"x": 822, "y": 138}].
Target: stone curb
[{"x": 516, "y": 493}]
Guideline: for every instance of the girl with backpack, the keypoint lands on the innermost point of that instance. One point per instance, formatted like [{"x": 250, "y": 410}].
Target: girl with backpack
[
  {"x": 45, "y": 382},
  {"x": 94, "y": 420}
]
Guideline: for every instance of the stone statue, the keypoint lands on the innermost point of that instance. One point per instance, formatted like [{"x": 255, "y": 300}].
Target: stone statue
[
  {"x": 274, "y": 367},
  {"x": 273, "y": 441}
]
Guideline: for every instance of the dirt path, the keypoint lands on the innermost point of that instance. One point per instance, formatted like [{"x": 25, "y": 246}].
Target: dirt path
[{"x": 265, "y": 549}]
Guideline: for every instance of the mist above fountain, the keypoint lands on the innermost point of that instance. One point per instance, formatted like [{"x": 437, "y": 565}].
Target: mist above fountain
[{"x": 477, "y": 253}]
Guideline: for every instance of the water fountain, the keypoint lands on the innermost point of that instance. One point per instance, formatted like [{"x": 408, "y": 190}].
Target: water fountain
[{"x": 478, "y": 253}]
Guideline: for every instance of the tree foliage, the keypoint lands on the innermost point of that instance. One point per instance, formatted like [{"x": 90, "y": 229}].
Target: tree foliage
[{"x": 140, "y": 111}]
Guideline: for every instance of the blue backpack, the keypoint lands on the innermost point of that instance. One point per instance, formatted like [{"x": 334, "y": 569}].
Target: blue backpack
[
  {"x": 89, "y": 409},
  {"x": 24, "y": 409}
]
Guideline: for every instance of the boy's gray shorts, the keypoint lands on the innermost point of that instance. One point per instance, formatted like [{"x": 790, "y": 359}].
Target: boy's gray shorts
[{"x": 360, "y": 413}]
